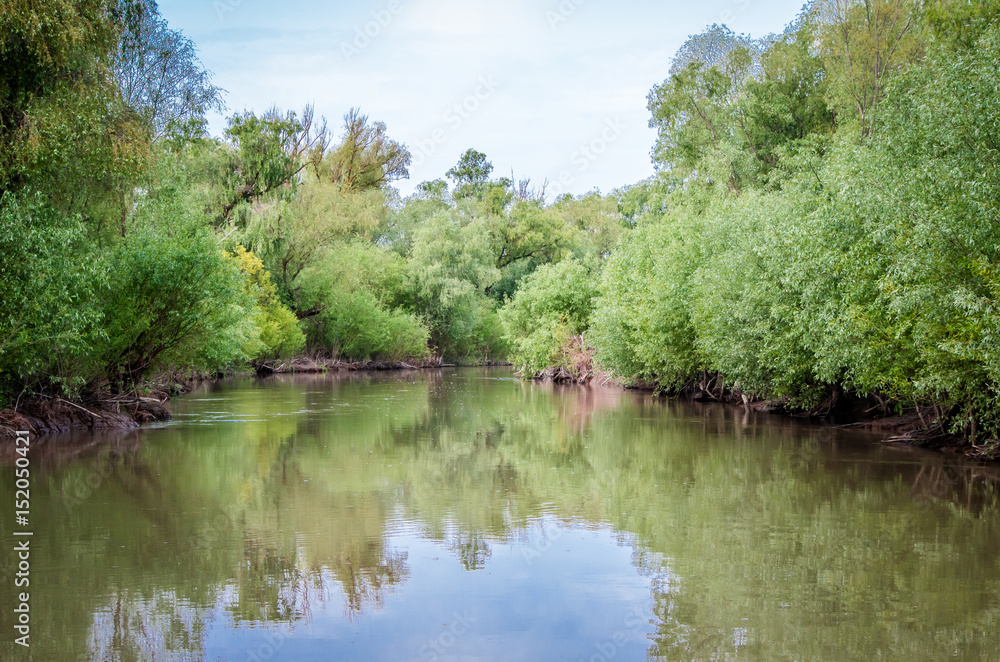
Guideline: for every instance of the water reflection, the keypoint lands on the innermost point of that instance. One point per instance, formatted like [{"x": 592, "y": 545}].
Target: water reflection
[{"x": 441, "y": 514}]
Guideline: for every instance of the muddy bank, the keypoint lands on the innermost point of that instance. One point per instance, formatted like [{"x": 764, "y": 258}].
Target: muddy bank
[
  {"x": 312, "y": 364},
  {"x": 912, "y": 426},
  {"x": 51, "y": 415},
  {"x": 43, "y": 415}
]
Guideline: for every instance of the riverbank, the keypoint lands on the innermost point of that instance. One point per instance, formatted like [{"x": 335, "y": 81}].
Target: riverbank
[
  {"x": 47, "y": 414},
  {"x": 44, "y": 415},
  {"x": 915, "y": 426}
]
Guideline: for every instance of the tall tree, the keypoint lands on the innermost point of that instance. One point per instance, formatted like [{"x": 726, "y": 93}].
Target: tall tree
[
  {"x": 366, "y": 157},
  {"x": 863, "y": 42},
  {"x": 471, "y": 175},
  {"x": 159, "y": 75}
]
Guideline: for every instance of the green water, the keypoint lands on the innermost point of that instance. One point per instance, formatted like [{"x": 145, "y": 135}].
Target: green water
[{"x": 463, "y": 515}]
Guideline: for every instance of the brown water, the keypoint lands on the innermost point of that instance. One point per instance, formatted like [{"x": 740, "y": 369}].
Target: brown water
[{"x": 464, "y": 515}]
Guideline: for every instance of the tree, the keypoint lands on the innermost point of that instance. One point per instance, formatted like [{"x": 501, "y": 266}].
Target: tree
[
  {"x": 552, "y": 305},
  {"x": 64, "y": 129},
  {"x": 471, "y": 174},
  {"x": 863, "y": 42},
  {"x": 280, "y": 335},
  {"x": 451, "y": 267},
  {"x": 173, "y": 300},
  {"x": 47, "y": 276},
  {"x": 158, "y": 73},
  {"x": 713, "y": 47},
  {"x": 263, "y": 157},
  {"x": 47, "y": 48},
  {"x": 366, "y": 157},
  {"x": 691, "y": 112},
  {"x": 292, "y": 235},
  {"x": 526, "y": 231}
]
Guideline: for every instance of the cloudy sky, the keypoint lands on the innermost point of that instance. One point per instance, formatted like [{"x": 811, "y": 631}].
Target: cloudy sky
[{"x": 548, "y": 89}]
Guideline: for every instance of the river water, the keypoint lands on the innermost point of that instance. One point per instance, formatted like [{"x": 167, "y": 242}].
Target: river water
[{"x": 465, "y": 515}]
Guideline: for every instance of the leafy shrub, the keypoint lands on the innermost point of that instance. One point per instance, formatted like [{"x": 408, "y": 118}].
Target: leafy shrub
[
  {"x": 642, "y": 319},
  {"x": 280, "y": 334},
  {"x": 553, "y": 304},
  {"x": 48, "y": 321},
  {"x": 357, "y": 327},
  {"x": 173, "y": 300},
  {"x": 450, "y": 268}
]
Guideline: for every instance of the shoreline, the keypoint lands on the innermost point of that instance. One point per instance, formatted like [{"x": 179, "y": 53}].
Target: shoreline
[
  {"x": 46, "y": 415},
  {"x": 843, "y": 410}
]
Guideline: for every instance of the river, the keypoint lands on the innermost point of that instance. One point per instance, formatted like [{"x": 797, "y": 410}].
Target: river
[{"x": 465, "y": 515}]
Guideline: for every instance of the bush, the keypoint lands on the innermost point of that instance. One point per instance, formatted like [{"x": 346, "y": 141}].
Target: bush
[
  {"x": 48, "y": 320},
  {"x": 174, "y": 300},
  {"x": 357, "y": 327},
  {"x": 279, "y": 333},
  {"x": 553, "y": 304},
  {"x": 642, "y": 319},
  {"x": 754, "y": 320},
  {"x": 450, "y": 268}
]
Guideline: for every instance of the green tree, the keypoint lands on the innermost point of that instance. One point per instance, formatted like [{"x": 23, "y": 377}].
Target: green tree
[
  {"x": 451, "y": 267},
  {"x": 863, "y": 42},
  {"x": 158, "y": 74},
  {"x": 471, "y": 175},
  {"x": 366, "y": 157},
  {"x": 173, "y": 300},
  {"x": 552, "y": 305}
]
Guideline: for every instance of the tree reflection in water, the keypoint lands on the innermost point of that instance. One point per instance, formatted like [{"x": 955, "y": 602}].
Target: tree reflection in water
[{"x": 273, "y": 505}]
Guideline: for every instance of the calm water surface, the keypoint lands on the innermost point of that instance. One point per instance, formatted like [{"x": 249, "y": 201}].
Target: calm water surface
[{"x": 464, "y": 515}]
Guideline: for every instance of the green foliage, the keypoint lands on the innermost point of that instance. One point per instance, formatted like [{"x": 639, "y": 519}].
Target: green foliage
[
  {"x": 553, "y": 304},
  {"x": 356, "y": 294},
  {"x": 823, "y": 218},
  {"x": 399, "y": 225},
  {"x": 591, "y": 224},
  {"x": 862, "y": 257},
  {"x": 471, "y": 174},
  {"x": 280, "y": 334},
  {"x": 930, "y": 201},
  {"x": 293, "y": 235},
  {"x": 863, "y": 44},
  {"x": 356, "y": 326},
  {"x": 173, "y": 300},
  {"x": 366, "y": 158},
  {"x": 528, "y": 231},
  {"x": 64, "y": 128},
  {"x": 642, "y": 321},
  {"x": 158, "y": 74},
  {"x": 754, "y": 303},
  {"x": 451, "y": 266},
  {"x": 260, "y": 161},
  {"x": 47, "y": 318}
]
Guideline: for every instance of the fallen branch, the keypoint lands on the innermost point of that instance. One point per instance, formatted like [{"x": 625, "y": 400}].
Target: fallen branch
[{"x": 80, "y": 408}]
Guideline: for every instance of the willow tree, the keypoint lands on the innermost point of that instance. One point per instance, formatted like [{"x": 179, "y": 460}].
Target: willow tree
[
  {"x": 367, "y": 158},
  {"x": 863, "y": 43}
]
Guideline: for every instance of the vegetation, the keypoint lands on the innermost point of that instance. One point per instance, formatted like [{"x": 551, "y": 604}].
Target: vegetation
[
  {"x": 829, "y": 217},
  {"x": 822, "y": 221},
  {"x": 137, "y": 243}
]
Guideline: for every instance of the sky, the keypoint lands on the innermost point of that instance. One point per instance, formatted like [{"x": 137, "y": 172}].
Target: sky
[{"x": 551, "y": 90}]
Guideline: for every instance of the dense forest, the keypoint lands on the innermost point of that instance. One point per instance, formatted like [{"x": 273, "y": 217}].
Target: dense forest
[{"x": 823, "y": 221}]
